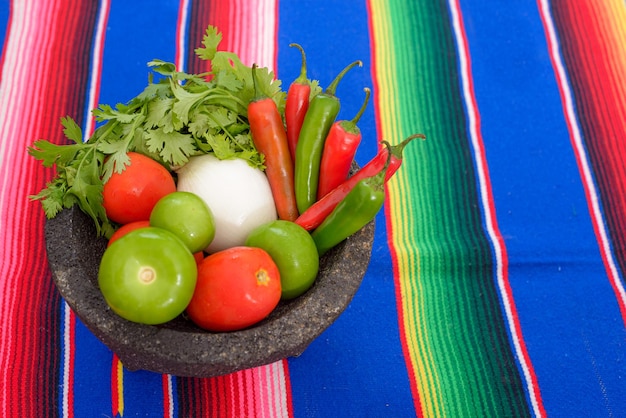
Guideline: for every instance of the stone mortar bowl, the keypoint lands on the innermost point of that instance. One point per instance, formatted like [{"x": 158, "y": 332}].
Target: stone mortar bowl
[{"x": 179, "y": 347}]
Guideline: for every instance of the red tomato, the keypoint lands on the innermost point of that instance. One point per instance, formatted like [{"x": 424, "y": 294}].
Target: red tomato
[
  {"x": 129, "y": 196},
  {"x": 236, "y": 288},
  {"x": 199, "y": 256},
  {"x": 125, "y": 229}
]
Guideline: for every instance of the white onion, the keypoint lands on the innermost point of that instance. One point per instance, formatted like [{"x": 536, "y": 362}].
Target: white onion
[{"x": 238, "y": 195}]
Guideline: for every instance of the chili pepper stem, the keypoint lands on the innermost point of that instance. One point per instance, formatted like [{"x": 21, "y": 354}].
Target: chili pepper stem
[
  {"x": 297, "y": 104},
  {"x": 379, "y": 178},
  {"x": 358, "y": 115},
  {"x": 302, "y": 78},
  {"x": 332, "y": 87},
  {"x": 398, "y": 149},
  {"x": 257, "y": 94}
]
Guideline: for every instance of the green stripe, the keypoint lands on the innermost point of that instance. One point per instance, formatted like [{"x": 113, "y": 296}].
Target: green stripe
[{"x": 438, "y": 203}]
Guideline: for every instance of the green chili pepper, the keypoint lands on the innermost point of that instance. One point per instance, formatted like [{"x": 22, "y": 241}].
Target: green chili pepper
[
  {"x": 355, "y": 211},
  {"x": 320, "y": 116}
]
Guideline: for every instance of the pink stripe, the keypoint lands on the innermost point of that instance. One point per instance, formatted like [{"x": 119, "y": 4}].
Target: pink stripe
[
  {"x": 582, "y": 160},
  {"x": 254, "y": 39},
  {"x": 19, "y": 99},
  {"x": 251, "y": 393},
  {"x": 69, "y": 323},
  {"x": 490, "y": 213},
  {"x": 238, "y": 407},
  {"x": 263, "y": 376}
]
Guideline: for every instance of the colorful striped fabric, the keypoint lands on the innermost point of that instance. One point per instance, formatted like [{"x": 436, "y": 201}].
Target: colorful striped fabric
[{"x": 496, "y": 285}]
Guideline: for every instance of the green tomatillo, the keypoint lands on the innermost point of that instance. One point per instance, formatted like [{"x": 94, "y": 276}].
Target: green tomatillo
[{"x": 294, "y": 252}]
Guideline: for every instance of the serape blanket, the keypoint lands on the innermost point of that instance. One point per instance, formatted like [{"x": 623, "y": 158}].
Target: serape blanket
[{"x": 496, "y": 285}]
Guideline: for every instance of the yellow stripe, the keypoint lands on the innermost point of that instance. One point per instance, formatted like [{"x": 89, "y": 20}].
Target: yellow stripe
[
  {"x": 408, "y": 260},
  {"x": 614, "y": 22},
  {"x": 120, "y": 387}
]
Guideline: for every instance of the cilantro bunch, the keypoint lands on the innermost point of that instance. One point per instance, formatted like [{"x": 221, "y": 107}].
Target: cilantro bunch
[{"x": 177, "y": 115}]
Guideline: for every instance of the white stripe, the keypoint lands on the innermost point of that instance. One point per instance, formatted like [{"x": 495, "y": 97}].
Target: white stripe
[
  {"x": 170, "y": 396},
  {"x": 266, "y": 30},
  {"x": 582, "y": 155},
  {"x": 484, "y": 195},
  {"x": 270, "y": 28},
  {"x": 182, "y": 35},
  {"x": 235, "y": 22},
  {"x": 66, "y": 357},
  {"x": 281, "y": 389},
  {"x": 268, "y": 388},
  {"x": 96, "y": 67}
]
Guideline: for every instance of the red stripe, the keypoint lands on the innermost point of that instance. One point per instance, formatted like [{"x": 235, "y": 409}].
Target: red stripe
[
  {"x": 70, "y": 370},
  {"x": 166, "y": 396},
  {"x": 115, "y": 399},
  {"x": 595, "y": 83},
  {"x": 41, "y": 85},
  {"x": 288, "y": 388},
  {"x": 215, "y": 394}
]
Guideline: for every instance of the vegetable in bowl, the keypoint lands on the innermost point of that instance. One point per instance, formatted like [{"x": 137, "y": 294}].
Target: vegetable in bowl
[{"x": 221, "y": 136}]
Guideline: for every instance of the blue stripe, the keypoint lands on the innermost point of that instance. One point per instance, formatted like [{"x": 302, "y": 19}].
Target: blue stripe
[
  {"x": 370, "y": 364},
  {"x": 4, "y": 18},
  {"x": 135, "y": 35},
  {"x": 567, "y": 309},
  {"x": 92, "y": 374},
  {"x": 143, "y": 394}
]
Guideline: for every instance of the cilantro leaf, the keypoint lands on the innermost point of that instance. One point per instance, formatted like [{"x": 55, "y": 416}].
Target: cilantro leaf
[
  {"x": 174, "y": 147},
  {"x": 118, "y": 158},
  {"x": 185, "y": 101},
  {"x": 152, "y": 90},
  {"x": 220, "y": 146},
  {"x": 106, "y": 112},
  {"x": 72, "y": 130},
  {"x": 157, "y": 111},
  {"x": 51, "y": 198},
  {"x": 50, "y": 154},
  {"x": 210, "y": 42},
  {"x": 228, "y": 80},
  {"x": 162, "y": 67}
]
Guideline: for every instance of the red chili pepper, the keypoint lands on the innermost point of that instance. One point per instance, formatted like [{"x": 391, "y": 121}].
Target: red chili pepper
[
  {"x": 296, "y": 104},
  {"x": 340, "y": 148},
  {"x": 315, "y": 214},
  {"x": 270, "y": 139}
]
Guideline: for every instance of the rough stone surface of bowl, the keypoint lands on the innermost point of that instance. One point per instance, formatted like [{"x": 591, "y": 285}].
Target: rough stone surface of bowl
[{"x": 179, "y": 347}]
